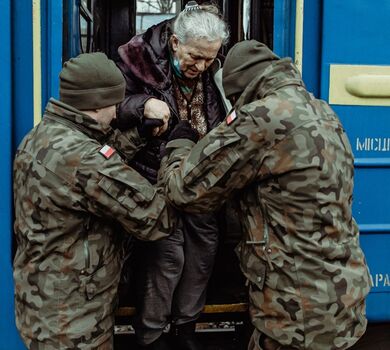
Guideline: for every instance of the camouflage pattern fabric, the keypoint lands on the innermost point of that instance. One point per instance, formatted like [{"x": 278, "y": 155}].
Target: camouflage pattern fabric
[
  {"x": 286, "y": 157},
  {"x": 73, "y": 207},
  {"x": 266, "y": 343}
]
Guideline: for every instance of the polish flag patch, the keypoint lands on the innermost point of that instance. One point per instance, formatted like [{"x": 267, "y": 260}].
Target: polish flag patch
[
  {"x": 231, "y": 117},
  {"x": 107, "y": 151}
]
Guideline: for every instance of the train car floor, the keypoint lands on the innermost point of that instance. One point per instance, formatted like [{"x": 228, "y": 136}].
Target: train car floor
[{"x": 377, "y": 337}]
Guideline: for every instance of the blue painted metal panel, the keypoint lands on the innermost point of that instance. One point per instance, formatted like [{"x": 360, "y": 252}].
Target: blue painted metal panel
[
  {"x": 377, "y": 246},
  {"x": 284, "y": 38},
  {"x": 354, "y": 32},
  {"x": 51, "y": 48},
  {"x": 371, "y": 205},
  {"x": 284, "y": 27},
  {"x": 73, "y": 15},
  {"x": 312, "y": 33},
  {"x": 357, "y": 32},
  {"x": 22, "y": 61},
  {"x": 9, "y": 338}
]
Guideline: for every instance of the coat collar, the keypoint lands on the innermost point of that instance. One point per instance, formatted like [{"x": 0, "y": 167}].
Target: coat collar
[
  {"x": 146, "y": 56},
  {"x": 71, "y": 116}
]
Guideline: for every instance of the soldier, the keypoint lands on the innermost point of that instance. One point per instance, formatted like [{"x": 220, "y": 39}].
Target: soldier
[
  {"x": 171, "y": 72},
  {"x": 287, "y": 158},
  {"x": 74, "y": 199}
]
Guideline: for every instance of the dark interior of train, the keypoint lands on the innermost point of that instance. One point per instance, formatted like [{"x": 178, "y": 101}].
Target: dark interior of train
[
  {"x": 119, "y": 20},
  {"x": 105, "y": 25}
]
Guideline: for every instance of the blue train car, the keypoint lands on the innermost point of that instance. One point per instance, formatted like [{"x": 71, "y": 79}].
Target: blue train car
[{"x": 341, "y": 48}]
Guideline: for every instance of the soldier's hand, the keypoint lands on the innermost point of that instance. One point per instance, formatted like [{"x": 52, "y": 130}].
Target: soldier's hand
[
  {"x": 157, "y": 109},
  {"x": 147, "y": 127},
  {"x": 184, "y": 130}
]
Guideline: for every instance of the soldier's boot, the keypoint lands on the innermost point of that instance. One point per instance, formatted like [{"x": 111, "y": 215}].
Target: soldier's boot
[
  {"x": 160, "y": 343},
  {"x": 184, "y": 337}
]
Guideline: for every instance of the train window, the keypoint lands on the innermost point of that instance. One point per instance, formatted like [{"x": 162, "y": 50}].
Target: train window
[
  {"x": 246, "y": 18},
  {"x": 150, "y": 12},
  {"x": 86, "y": 25}
]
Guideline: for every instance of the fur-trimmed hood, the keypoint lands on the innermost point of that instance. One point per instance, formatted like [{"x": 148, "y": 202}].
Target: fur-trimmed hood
[{"x": 146, "y": 56}]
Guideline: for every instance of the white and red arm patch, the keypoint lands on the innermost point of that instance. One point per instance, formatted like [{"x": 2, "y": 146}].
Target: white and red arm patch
[
  {"x": 107, "y": 151},
  {"x": 231, "y": 117}
]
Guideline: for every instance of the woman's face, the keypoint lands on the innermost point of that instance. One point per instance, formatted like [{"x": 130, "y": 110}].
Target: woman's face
[{"x": 195, "y": 56}]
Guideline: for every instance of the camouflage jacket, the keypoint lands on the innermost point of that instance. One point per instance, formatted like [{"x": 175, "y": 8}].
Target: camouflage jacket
[
  {"x": 72, "y": 205},
  {"x": 287, "y": 158}
]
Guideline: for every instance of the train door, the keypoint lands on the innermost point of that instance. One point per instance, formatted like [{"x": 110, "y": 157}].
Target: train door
[
  {"x": 355, "y": 79},
  {"x": 98, "y": 25}
]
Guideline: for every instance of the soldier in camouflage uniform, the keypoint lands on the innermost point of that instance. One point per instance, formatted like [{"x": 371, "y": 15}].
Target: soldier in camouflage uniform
[
  {"x": 74, "y": 199},
  {"x": 287, "y": 158}
]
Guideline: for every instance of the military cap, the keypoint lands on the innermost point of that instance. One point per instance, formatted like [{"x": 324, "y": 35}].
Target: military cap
[
  {"x": 91, "y": 81},
  {"x": 244, "y": 62}
]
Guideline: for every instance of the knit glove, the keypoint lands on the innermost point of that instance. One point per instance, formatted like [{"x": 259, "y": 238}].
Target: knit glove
[
  {"x": 145, "y": 129},
  {"x": 184, "y": 130}
]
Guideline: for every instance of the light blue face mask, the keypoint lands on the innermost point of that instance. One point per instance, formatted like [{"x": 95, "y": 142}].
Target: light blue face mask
[{"x": 175, "y": 65}]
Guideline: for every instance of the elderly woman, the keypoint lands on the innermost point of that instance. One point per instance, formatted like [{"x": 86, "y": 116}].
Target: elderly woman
[{"x": 170, "y": 71}]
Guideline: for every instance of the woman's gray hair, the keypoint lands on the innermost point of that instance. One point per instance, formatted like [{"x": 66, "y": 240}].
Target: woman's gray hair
[{"x": 205, "y": 22}]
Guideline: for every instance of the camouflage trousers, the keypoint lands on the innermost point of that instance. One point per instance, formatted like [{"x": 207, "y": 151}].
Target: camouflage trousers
[
  {"x": 106, "y": 345},
  {"x": 260, "y": 341}
]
